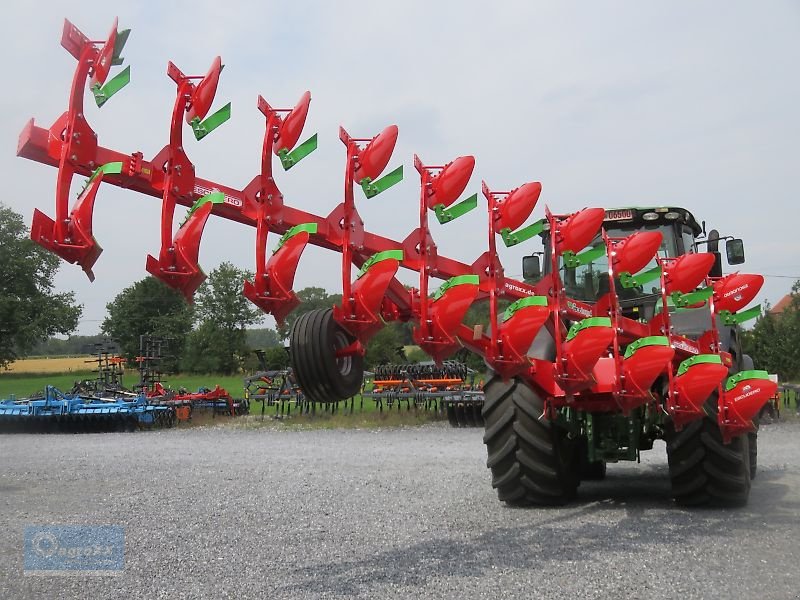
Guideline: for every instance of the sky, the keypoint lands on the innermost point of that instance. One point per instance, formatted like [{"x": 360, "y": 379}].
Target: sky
[{"x": 611, "y": 103}]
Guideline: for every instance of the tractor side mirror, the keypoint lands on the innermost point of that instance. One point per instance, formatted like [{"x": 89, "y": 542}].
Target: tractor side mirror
[
  {"x": 531, "y": 268},
  {"x": 735, "y": 250}
]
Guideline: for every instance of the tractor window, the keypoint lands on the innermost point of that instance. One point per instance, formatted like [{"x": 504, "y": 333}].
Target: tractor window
[
  {"x": 688, "y": 241},
  {"x": 590, "y": 281}
]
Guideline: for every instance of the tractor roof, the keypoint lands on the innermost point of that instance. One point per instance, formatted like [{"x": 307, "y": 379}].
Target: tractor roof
[{"x": 637, "y": 215}]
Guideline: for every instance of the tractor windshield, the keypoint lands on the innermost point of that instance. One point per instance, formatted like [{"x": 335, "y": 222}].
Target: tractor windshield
[{"x": 590, "y": 281}]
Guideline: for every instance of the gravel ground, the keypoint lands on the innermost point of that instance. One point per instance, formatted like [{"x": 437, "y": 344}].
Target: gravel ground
[{"x": 236, "y": 513}]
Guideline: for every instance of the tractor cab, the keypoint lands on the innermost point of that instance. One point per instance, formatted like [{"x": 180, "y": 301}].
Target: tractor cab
[{"x": 680, "y": 231}]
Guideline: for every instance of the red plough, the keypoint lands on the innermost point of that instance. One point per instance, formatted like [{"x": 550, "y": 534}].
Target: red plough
[{"x": 588, "y": 344}]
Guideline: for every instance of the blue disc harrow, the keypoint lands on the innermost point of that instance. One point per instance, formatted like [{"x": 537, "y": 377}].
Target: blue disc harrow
[{"x": 57, "y": 412}]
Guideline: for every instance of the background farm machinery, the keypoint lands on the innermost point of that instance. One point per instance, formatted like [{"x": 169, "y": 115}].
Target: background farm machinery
[
  {"x": 57, "y": 412},
  {"x": 92, "y": 406},
  {"x": 450, "y": 387},
  {"x": 103, "y": 403},
  {"x": 579, "y": 379}
]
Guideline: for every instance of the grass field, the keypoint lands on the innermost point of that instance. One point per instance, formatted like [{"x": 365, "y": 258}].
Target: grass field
[{"x": 25, "y": 384}]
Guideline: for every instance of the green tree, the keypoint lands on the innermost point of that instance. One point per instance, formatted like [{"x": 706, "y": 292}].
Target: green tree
[
  {"x": 149, "y": 307},
  {"x": 386, "y": 346},
  {"x": 774, "y": 341},
  {"x": 74, "y": 344},
  {"x": 276, "y": 358},
  {"x": 30, "y": 310},
  {"x": 417, "y": 355},
  {"x": 263, "y": 338},
  {"x": 219, "y": 343},
  {"x": 311, "y": 298}
]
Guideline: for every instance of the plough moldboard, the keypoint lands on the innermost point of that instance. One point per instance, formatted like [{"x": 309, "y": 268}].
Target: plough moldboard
[{"x": 603, "y": 361}]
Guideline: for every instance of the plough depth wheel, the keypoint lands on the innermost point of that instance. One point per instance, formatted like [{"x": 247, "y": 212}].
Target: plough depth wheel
[
  {"x": 705, "y": 471},
  {"x": 314, "y": 341},
  {"x": 532, "y": 460}
]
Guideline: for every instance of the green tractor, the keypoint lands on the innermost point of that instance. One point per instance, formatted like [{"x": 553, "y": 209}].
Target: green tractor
[{"x": 543, "y": 440}]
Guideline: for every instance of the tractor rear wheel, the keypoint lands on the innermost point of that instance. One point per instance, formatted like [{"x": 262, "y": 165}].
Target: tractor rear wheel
[
  {"x": 531, "y": 458},
  {"x": 705, "y": 471},
  {"x": 314, "y": 341}
]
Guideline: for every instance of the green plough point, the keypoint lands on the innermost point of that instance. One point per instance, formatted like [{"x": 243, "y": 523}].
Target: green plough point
[
  {"x": 730, "y": 319},
  {"x": 684, "y": 300},
  {"x": 630, "y": 281},
  {"x": 115, "y": 84},
  {"x": 373, "y": 188},
  {"x": 202, "y": 128},
  {"x": 445, "y": 215},
  {"x": 290, "y": 159},
  {"x": 512, "y": 238},
  {"x": 572, "y": 260}
]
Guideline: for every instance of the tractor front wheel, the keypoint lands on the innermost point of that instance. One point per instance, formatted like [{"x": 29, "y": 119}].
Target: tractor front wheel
[
  {"x": 324, "y": 377},
  {"x": 531, "y": 458}
]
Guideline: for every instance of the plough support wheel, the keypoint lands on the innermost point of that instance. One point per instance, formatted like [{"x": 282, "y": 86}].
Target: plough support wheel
[{"x": 323, "y": 376}]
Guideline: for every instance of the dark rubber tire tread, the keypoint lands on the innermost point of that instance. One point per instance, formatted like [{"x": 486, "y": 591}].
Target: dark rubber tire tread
[
  {"x": 705, "y": 471},
  {"x": 531, "y": 459},
  {"x": 314, "y": 340}
]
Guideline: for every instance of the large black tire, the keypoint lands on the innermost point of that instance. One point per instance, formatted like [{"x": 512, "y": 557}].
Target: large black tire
[
  {"x": 531, "y": 459},
  {"x": 314, "y": 340},
  {"x": 702, "y": 469}
]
